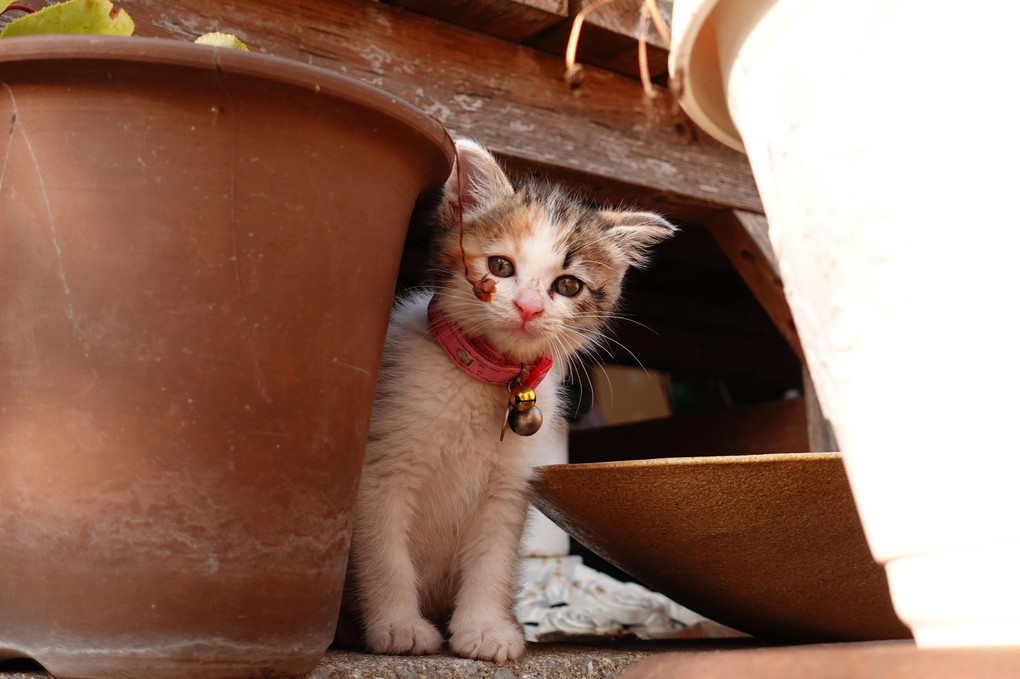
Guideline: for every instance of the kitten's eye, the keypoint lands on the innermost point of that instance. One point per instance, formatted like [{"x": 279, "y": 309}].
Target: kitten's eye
[
  {"x": 501, "y": 266},
  {"x": 568, "y": 286}
]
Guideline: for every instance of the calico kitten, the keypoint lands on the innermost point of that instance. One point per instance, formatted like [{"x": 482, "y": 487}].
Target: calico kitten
[{"x": 523, "y": 280}]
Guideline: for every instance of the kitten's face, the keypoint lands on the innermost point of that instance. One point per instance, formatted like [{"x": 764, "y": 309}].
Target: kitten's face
[{"x": 543, "y": 271}]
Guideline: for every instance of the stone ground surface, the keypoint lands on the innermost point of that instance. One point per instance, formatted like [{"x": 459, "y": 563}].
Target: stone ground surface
[
  {"x": 543, "y": 661},
  {"x": 605, "y": 660},
  {"x": 685, "y": 659}
]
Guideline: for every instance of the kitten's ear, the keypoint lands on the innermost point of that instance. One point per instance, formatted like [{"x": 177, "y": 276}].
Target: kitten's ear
[
  {"x": 477, "y": 180},
  {"x": 634, "y": 233}
]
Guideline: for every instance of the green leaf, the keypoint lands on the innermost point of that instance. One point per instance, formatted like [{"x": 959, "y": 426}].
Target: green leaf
[
  {"x": 221, "y": 40},
  {"x": 96, "y": 17}
]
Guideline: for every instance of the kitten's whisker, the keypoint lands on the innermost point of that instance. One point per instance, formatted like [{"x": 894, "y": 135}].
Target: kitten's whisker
[
  {"x": 574, "y": 369},
  {"x": 591, "y": 384},
  {"x": 616, "y": 317},
  {"x": 631, "y": 353}
]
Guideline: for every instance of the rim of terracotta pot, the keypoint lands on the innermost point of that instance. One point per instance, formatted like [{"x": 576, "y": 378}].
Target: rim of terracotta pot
[{"x": 321, "y": 81}]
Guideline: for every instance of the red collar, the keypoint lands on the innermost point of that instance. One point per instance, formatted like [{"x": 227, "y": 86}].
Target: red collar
[{"x": 480, "y": 359}]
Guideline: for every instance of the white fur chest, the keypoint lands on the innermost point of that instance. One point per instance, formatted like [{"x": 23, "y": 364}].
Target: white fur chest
[{"x": 440, "y": 427}]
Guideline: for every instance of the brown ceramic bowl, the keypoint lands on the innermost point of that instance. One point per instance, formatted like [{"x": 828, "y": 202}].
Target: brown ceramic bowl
[{"x": 768, "y": 544}]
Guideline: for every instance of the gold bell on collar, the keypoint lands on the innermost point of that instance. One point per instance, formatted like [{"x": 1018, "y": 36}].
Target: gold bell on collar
[
  {"x": 522, "y": 415},
  {"x": 524, "y": 418},
  {"x": 523, "y": 399}
]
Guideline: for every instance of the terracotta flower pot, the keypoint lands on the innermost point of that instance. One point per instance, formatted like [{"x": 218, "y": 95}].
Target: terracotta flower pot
[{"x": 198, "y": 250}]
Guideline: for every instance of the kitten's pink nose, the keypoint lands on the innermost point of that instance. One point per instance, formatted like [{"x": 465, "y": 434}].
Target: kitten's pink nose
[{"x": 529, "y": 304}]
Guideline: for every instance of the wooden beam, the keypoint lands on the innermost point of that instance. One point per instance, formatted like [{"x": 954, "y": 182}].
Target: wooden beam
[
  {"x": 757, "y": 228},
  {"x": 608, "y": 190},
  {"x": 743, "y": 236},
  {"x": 515, "y": 20},
  {"x": 509, "y": 97},
  {"x": 821, "y": 436},
  {"x": 620, "y": 17},
  {"x": 609, "y": 38}
]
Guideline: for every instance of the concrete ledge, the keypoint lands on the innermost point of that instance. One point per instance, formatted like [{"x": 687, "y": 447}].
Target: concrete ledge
[{"x": 862, "y": 660}]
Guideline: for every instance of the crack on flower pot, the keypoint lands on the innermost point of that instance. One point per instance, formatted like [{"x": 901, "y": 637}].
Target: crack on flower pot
[{"x": 18, "y": 127}]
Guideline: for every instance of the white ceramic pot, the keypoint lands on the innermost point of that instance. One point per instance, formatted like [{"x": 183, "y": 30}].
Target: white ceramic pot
[{"x": 883, "y": 137}]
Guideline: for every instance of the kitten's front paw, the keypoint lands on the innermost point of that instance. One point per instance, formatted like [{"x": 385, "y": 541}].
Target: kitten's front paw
[
  {"x": 500, "y": 642},
  {"x": 416, "y": 636}
]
